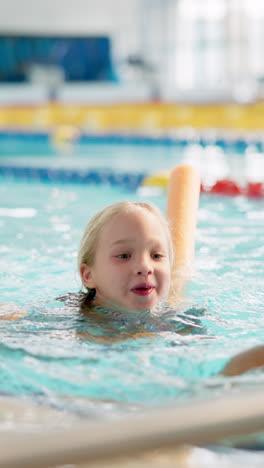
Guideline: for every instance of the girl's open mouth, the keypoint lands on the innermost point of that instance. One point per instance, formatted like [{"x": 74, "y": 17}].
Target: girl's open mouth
[{"x": 142, "y": 290}]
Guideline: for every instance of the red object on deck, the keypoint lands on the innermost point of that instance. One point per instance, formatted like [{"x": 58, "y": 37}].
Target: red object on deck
[
  {"x": 231, "y": 188},
  {"x": 226, "y": 187},
  {"x": 255, "y": 189}
]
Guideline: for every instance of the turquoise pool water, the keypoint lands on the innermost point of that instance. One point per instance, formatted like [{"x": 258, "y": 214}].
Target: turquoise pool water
[{"x": 44, "y": 355}]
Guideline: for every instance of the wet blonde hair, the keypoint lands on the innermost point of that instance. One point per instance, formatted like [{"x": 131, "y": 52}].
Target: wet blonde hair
[{"x": 89, "y": 241}]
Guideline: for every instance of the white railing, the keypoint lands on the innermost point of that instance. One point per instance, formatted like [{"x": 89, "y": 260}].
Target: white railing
[{"x": 199, "y": 422}]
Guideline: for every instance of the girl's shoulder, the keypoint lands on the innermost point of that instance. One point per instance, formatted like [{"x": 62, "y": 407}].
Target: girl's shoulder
[
  {"x": 180, "y": 319},
  {"x": 191, "y": 311}
]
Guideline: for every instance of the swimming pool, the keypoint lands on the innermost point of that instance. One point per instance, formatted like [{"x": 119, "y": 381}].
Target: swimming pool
[
  {"x": 41, "y": 225},
  {"x": 44, "y": 357}
]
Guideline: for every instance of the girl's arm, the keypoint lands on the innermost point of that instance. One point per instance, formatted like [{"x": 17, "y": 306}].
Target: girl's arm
[
  {"x": 243, "y": 362},
  {"x": 10, "y": 312}
]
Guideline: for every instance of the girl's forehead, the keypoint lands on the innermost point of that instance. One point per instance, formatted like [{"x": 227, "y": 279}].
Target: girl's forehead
[
  {"x": 127, "y": 223},
  {"x": 137, "y": 216}
]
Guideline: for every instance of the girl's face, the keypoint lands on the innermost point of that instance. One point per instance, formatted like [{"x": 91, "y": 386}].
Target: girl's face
[{"x": 131, "y": 267}]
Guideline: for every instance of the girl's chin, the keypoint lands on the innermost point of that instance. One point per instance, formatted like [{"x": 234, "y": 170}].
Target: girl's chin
[{"x": 129, "y": 308}]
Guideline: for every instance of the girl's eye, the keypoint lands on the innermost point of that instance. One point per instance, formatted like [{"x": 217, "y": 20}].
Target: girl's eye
[
  {"x": 157, "y": 256},
  {"x": 124, "y": 256}
]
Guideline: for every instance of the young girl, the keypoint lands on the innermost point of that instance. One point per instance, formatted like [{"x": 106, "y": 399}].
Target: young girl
[
  {"x": 125, "y": 262},
  {"x": 126, "y": 257}
]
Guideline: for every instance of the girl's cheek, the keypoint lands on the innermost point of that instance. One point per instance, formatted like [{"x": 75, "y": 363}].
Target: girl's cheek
[
  {"x": 115, "y": 261},
  {"x": 168, "y": 279}
]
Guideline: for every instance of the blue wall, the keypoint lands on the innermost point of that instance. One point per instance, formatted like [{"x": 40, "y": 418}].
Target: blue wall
[{"x": 82, "y": 58}]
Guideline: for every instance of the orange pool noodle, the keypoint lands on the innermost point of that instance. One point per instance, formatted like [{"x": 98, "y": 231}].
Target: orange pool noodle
[{"x": 182, "y": 208}]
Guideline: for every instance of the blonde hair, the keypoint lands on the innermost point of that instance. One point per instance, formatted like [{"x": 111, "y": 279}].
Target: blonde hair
[{"x": 89, "y": 241}]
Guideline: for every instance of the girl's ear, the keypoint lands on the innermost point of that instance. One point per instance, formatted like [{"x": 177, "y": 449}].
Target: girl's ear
[{"x": 86, "y": 275}]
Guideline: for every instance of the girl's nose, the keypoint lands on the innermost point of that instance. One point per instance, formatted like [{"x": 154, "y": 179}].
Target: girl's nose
[
  {"x": 145, "y": 272},
  {"x": 144, "y": 269}
]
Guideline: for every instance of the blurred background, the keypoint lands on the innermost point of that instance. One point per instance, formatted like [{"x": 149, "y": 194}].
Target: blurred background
[
  {"x": 132, "y": 67},
  {"x": 115, "y": 50}
]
